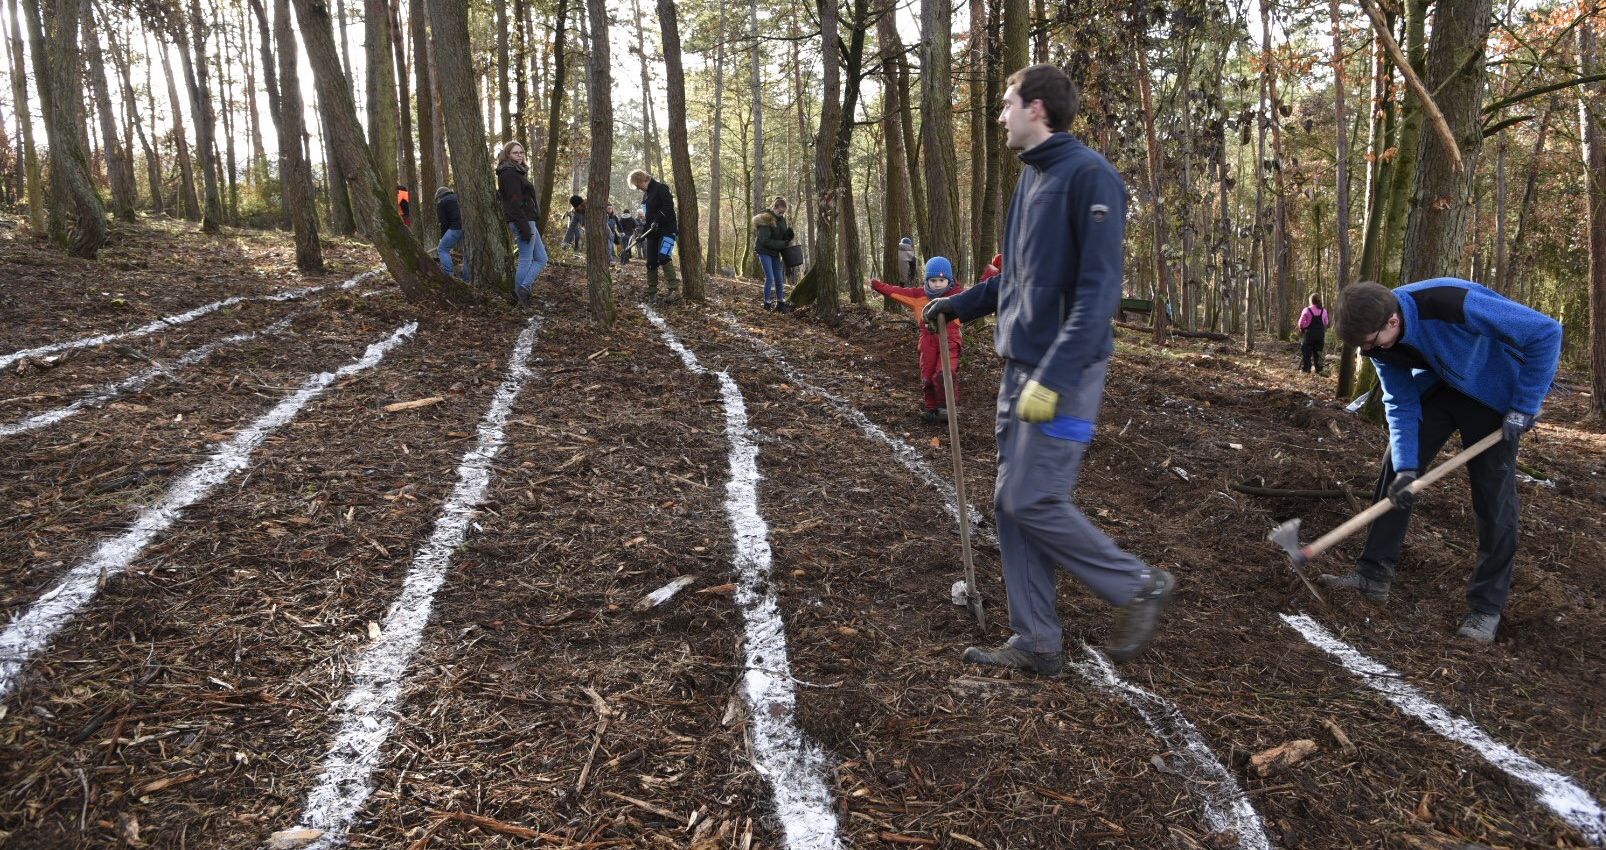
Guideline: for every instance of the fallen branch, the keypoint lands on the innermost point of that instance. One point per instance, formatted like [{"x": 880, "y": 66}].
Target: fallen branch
[
  {"x": 1415, "y": 84},
  {"x": 1174, "y": 332},
  {"x": 604, "y": 715},
  {"x": 413, "y": 405},
  {"x": 644, "y": 806},
  {"x": 1291, "y": 494}
]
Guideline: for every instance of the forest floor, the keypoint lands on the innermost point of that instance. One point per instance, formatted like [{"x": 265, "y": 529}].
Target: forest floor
[{"x": 219, "y": 678}]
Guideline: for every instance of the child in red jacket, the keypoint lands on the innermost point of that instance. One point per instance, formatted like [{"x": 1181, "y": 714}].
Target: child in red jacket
[{"x": 940, "y": 283}]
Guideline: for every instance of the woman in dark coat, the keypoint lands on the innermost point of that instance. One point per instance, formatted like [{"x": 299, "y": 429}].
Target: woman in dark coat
[
  {"x": 517, "y": 194},
  {"x": 772, "y": 234}
]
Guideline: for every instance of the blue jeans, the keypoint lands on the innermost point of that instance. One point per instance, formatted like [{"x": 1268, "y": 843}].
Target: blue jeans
[
  {"x": 774, "y": 277},
  {"x": 532, "y": 258},
  {"x": 449, "y": 240}
]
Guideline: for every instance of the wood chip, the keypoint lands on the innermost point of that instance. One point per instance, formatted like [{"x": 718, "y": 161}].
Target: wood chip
[
  {"x": 413, "y": 405},
  {"x": 1283, "y": 756},
  {"x": 293, "y": 839},
  {"x": 719, "y": 588},
  {"x": 1343, "y": 741}
]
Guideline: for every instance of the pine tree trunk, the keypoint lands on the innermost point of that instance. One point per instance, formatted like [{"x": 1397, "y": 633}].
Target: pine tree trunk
[
  {"x": 1281, "y": 250},
  {"x": 76, "y": 219},
  {"x": 226, "y": 98},
  {"x": 1436, "y": 229},
  {"x": 819, "y": 286},
  {"x": 1341, "y": 156},
  {"x": 755, "y": 82},
  {"x": 259, "y": 152},
  {"x": 1408, "y": 136},
  {"x": 1592, "y": 130},
  {"x": 294, "y": 170},
  {"x": 503, "y": 95},
  {"x": 549, "y": 162},
  {"x": 33, "y": 179},
  {"x": 381, "y": 94},
  {"x": 714, "y": 155},
  {"x": 412, "y": 267},
  {"x": 1157, "y": 313},
  {"x": 119, "y": 164},
  {"x": 937, "y": 128},
  {"x": 153, "y": 167},
  {"x": 599, "y": 78},
  {"x": 895, "y": 223},
  {"x": 687, "y": 243},
  {"x": 911, "y": 150},
  {"x": 423, "y": 84},
  {"x": 342, "y": 221},
  {"x": 484, "y": 230},
  {"x": 981, "y": 240},
  {"x": 1519, "y": 242},
  {"x": 1015, "y": 20},
  {"x": 196, "y": 78},
  {"x": 270, "y": 79},
  {"x": 406, "y": 162}
]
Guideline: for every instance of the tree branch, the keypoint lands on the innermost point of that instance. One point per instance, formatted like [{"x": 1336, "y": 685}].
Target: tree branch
[
  {"x": 1415, "y": 83},
  {"x": 1544, "y": 89}
]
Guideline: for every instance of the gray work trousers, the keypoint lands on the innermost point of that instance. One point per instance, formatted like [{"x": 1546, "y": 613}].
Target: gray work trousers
[{"x": 1039, "y": 529}]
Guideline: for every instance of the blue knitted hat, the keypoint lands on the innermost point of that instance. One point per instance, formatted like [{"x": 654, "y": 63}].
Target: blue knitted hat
[{"x": 939, "y": 267}]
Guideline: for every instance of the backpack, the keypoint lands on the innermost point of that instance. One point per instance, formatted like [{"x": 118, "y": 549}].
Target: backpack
[{"x": 1317, "y": 326}]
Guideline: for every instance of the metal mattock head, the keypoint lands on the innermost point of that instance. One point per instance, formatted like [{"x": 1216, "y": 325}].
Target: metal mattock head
[{"x": 1287, "y": 536}]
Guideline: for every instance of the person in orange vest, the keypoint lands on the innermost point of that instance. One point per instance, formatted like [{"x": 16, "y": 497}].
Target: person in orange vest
[
  {"x": 404, "y": 204},
  {"x": 940, "y": 283}
]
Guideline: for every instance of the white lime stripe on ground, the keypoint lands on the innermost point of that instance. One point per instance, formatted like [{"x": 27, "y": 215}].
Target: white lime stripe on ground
[
  {"x": 30, "y": 633},
  {"x": 368, "y": 711},
  {"x": 906, "y": 455},
  {"x": 1556, "y": 792},
  {"x": 175, "y": 320},
  {"x": 793, "y": 767},
  {"x": 1226, "y": 808},
  {"x": 137, "y": 381}
]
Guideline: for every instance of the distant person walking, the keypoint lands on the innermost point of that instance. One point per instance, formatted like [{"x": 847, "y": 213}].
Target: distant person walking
[
  {"x": 574, "y": 236},
  {"x": 659, "y": 243},
  {"x": 404, "y": 204},
  {"x": 451, "y": 219},
  {"x": 772, "y": 234},
  {"x": 908, "y": 263},
  {"x": 613, "y": 234},
  {"x": 627, "y": 229},
  {"x": 517, "y": 195},
  {"x": 1313, "y": 325}
]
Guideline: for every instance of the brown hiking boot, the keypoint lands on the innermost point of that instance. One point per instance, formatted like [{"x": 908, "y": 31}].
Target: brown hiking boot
[
  {"x": 1009, "y": 655},
  {"x": 1140, "y": 617}
]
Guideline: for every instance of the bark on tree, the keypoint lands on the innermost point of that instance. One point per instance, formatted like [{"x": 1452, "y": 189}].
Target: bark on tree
[
  {"x": 412, "y": 267},
  {"x": 342, "y": 220},
  {"x": 1157, "y": 313},
  {"x": 937, "y": 128},
  {"x": 895, "y": 222},
  {"x": 756, "y": 82},
  {"x": 484, "y": 230},
  {"x": 1591, "y": 115},
  {"x": 423, "y": 84},
  {"x": 76, "y": 219},
  {"x": 1436, "y": 229},
  {"x": 1519, "y": 249},
  {"x": 270, "y": 79},
  {"x": 820, "y": 285},
  {"x": 226, "y": 99},
  {"x": 33, "y": 175},
  {"x": 549, "y": 162},
  {"x": 1341, "y": 156},
  {"x": 197, "y": 76},
  {"x": 719, "y": 130},
  {"x": 1378, "y": 172},
  {"x": 294, "y": 170},
  {"x": 687, "y": 242},
  {"x": 153, "y": 166},
  {"x": 911, "y": 149},
  {"x": 406, "y": 162},
  {"x": 381, "y": 92},
  {"x": 503, "y": 94},
  {"x": 1013, "y": 58},
  {"x": 599, "y": 278},
  {"x": 119, "y": 161},
  {"x": 1279, "y": 223},
  {"x": 981, "y": 241},
  {"x": 187, "y": 196},
  {"x": 1405, "y": 145}
]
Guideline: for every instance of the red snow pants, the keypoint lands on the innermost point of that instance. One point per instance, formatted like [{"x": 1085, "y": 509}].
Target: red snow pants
[{"x": 931, "y": 367}]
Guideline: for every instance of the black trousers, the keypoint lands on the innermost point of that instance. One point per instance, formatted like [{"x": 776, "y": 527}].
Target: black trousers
[
  {"x": 1310, "y": 354},
  {"x": 1494, "y": 498}
]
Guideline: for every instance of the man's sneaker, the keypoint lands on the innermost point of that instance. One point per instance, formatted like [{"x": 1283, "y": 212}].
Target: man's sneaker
[
  {"x": 1140, "y": 617},
  {"x": 1009, "y": 655},
  {"x": 1376, "y": 591},
  {"x": 1479, "y": 627}
]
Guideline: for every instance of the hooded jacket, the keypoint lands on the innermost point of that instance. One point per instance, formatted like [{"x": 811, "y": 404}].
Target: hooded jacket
[
  {"x": 1487, "y": 346},
  {"x": 660, "y": 208},
  {"x": 1061, "y": 280},
  {"x": 449, "y": 213},
  {"x": 517, "y": 194},
  {"x": 771, "y": 233}
]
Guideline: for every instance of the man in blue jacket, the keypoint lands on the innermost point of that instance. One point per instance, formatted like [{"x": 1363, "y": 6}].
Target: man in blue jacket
[
  {"x": 1055, "y": 297},
  {"x": 1451, "y": 356}
]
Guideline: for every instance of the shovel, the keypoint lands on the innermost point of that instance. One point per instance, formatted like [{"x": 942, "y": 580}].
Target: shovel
[
  {"x": 1287, "y": 534},
  {"x": 972, "y": 595}
]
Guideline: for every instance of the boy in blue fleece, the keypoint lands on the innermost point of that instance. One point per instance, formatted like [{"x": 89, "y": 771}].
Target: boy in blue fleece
[
  {"x": 1055, "y": 298},
  {"x": 1451, "y": 356}
]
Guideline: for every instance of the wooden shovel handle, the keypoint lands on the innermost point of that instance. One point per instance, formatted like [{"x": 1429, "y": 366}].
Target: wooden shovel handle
[
  {"x": 1365, "y": 518},
  {"x": 959, "y": 463}
]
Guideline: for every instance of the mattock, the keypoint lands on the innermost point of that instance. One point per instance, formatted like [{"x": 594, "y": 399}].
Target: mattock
[
  {"x": 972, "y": 594},
  {"x": 1287, "y": 534}
]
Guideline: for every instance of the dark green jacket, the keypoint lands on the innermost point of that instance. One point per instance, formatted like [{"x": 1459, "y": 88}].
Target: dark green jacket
[{"x": 771, "y": 233}]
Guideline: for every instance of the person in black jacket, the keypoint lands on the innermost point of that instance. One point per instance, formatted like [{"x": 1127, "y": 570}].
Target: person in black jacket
[
  {"x": 772, "y": 234},
  {"x": 451, "y": 219},
  {"x": 573, "y": 237},
  {"x": 517, "y": 194},
  {"x": 627, "y": 229},
  {"x": 659, "y": 243},
  {"x": 613, "y": 234}
]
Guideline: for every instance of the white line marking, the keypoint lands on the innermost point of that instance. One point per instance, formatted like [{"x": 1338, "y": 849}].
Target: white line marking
[
  {"x": 1558, "y": 793},
  {"x": 30, "y": 633},
  {"x": 906, "y": 455},
  {"x": 175, "y": 320},
  {"x": 793, "y": 766},
  {"x": 135, "y": 382},
  {"x": 367, "y": 713},
  {"x": 1226, "y": 809}
]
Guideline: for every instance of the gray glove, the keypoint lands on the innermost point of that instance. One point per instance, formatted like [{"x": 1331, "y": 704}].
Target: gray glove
[
  {"x": 1399, "y": 490},
  {"x": 938, "y": 307},
  {"x": 1516, "y": 424}
]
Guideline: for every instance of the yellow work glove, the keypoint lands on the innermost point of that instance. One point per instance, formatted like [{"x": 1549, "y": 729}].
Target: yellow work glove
[{"x": 1036, "y": 403}]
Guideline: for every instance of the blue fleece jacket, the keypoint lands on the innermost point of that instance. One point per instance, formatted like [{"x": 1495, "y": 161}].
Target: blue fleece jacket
[
  {"x": 1487, "y": 346},
  {"x": 1061, "y": 280}
]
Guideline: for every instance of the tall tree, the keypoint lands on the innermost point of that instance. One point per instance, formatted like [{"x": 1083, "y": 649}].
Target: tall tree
[
  {"x": 76, "y": 219},
  {"x": 756, "y": 82},
  {"x": 119, "y": 160},
  {"x": 1279, "y": 299},
  {"x": 1340, "y": 155},
  {"x": 503, "y": 95},
  {"x": 1435, "y": 232},
  {"x": 294, "y": 170},
  {"x": 406, "y": 162},
  {"x": 895, "y": 222},
  {"x": 687, "y": 242},
  {"x": 599, "y": 282},
  {"x": 714, "y": 154},
  {"x": 413, "y": 268},
  {"x": 381, "y": 91},
  {"x": 423, "y": 83},
  {"x": 192, "y": 53},
  {"x": 821, "y": 284},
  {"x": 1015, "y": 58},
  {"x": 484, "y": 231},
  {"x": 981, "y": 241},
  {"x": 1408, "y": 135},
  {"x": 1592, "y": 130},
  {"x": 33, "y": 176},
  {"x": 188, "y": 199},
  {"x": 549, "y": 162},
  {"x": 1520, "y": 249},
  {"x": 911, "y": 149},
  {"x": 153, "y": 165},
  {"x": 1156, "y": 187},
  {"x": 937, "y": 128},
  {"x": 270, "y": 80}
]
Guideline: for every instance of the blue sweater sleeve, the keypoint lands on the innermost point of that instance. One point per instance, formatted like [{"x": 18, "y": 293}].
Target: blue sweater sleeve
[
  {"x": 1535, "y": 335},
  {"x": 1402, "y": 406},
  {"x": 1098, "y": 226},
  {"x": 979, "y": 300}
]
